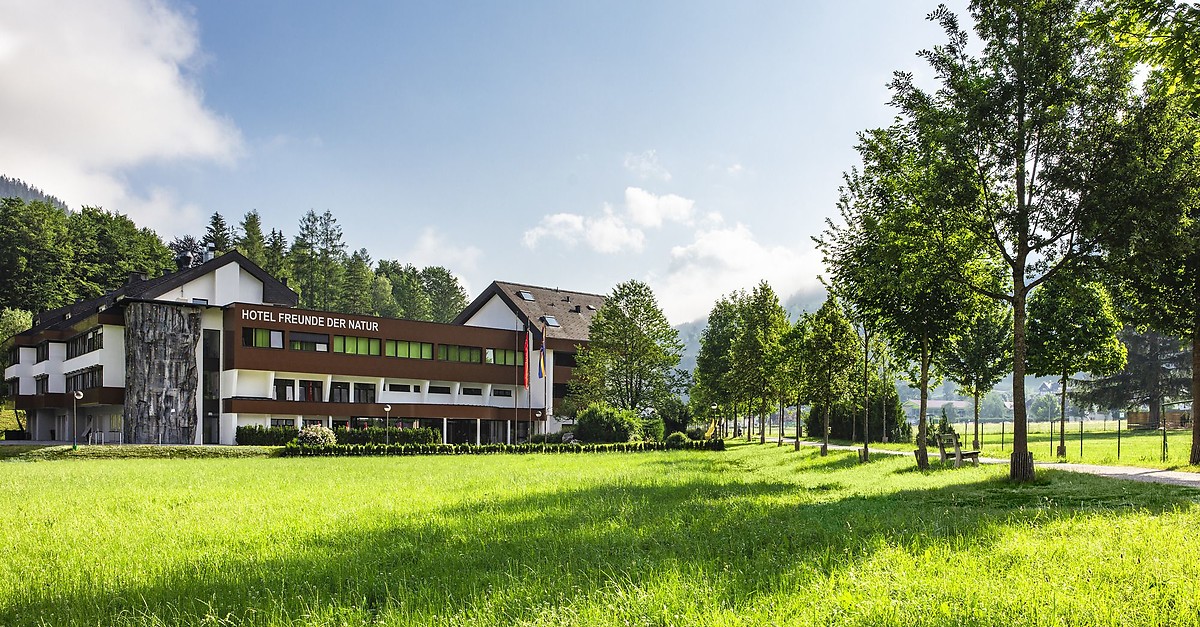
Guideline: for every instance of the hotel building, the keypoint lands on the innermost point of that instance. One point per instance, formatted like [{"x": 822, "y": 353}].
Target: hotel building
[{"x": 188, "y": 357}]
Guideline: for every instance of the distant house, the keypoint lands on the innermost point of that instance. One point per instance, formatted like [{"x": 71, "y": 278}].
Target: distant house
[{"x": 956, "y": 410}]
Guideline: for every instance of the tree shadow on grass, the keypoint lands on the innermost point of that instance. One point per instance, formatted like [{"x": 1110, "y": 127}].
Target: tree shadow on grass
[{"x": 513, "y": 556}]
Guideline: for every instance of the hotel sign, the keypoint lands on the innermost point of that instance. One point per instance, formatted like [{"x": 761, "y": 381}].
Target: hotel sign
[{"x": 309, "y": 320}]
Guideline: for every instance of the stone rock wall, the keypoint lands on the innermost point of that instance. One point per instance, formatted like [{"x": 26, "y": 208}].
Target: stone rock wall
[{"x": 161, "y": 381}]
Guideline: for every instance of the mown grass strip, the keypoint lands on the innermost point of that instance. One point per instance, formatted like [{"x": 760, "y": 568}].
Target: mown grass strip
[{"x": 753, "y": 536}]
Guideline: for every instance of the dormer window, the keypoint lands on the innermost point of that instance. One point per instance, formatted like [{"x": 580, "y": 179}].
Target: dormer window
[{"x": 525, "y": 295}]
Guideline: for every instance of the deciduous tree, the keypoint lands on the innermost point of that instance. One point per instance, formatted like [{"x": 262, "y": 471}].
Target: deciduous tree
[
  {"x": 1072, "y": 328},
  {"x": 1025, "y": 123},
  {"x": 829, "y": 354},
  {"x": 631, "y": 353}
]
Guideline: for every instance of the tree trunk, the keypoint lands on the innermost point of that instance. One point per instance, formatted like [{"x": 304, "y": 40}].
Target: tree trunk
[
  {"x": 922, "y": 429},
  {"x": 1062, "y": 419},
  {"x": 1021, "y": 461},
  {"x": 975, "y": 442},
  {"x": 866, "y": 394},
  {"x": 780, "y": 423},
  {"x": 825, "y": 433},
  {"x": 762, "y": 422},
  {"x": 797, "y": 443},
  {"x": 1195, "y": 457}
]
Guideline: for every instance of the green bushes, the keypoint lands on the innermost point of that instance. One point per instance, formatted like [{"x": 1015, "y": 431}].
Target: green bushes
[
  {"x": 294, "y": 449},
  {"x": 602, "y": 423},
  {"x": 279, "y": 436},
  {"x": 653, "y": 427},
  {"x": 391, "y": 435},
  {"x": 315, "y": 435},
  {"x": 677, "y": 440},
  {"x": 255, "y": 435}
]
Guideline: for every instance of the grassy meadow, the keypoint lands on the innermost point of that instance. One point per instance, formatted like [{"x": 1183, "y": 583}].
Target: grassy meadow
[{"x": 751, "y": 536}]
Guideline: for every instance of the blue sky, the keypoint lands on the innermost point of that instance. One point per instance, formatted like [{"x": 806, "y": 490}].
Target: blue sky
[{"x": 694, "y": 145}]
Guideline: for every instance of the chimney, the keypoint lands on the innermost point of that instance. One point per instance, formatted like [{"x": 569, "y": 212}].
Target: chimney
[
  {"x": 183, "y": 261},
  {"x": 136, "y": 277},
  {"x": 210, "y": 252},
  {"x": 577, "y": 309}
]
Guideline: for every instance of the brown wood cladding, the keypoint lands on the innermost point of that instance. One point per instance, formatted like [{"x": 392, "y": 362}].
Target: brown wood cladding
[
  {"x": 346, "y": 410},
  {"x": 287, "y": 360},
  {"x": 94, "y": 396}
]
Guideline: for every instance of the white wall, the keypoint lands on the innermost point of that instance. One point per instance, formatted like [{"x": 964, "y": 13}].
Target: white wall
[
  {"x": 250, "y": 289},
  {"x": 495, "y": 314},
  {"x": 203, "y": 287}
]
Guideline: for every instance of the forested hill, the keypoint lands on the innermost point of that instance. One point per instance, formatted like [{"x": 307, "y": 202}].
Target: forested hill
[
  {"x": 50, "y": 257},
  {"x": 16, "y": 188},
  {"x": 689, "y": 332}
]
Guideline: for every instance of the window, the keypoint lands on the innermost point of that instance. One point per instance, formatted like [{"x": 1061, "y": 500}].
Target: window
[
  {"x": 439, "y": 389},
  {"x": 502, "y": 392},
  {"x": 285, "y": 390},
  {"x": 339, "y": 392},
  {"x": 313, "y": 422},
  {"x": 199, "y": 301},
  {"x": 310, "y": 391},
  {"x": 465, "y": 354},
  {"x": 262, "y": 338},
  {"x": 364, "y": 392},
  {"x": 86, "y": 379},
  {"x": 14, "y": 386},
  {"x": 14, "y": 356},
  {"x": 472, "y": 391},
  {"x": 41, "y": 384},
  {"x": 85, "y": 342},
  {"x": 503, "y": 357},
  {"x": 400, "y": 387},
  {"x": 564, "y": 359},
  {"x": 356, "y": 345},
  {"x": 283, "y": 422},
  {"x": 43, "y": 352},
  {"x": 318, "y": 342},
  {"x": 525, "y": 295},
  {"x": 551, "y": 321},
  {"x": 408, "y": 350}
]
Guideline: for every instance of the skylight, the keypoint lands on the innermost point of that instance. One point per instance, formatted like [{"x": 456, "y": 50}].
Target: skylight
[
  {"x": 525, "y": 295},
  {"x": 551, "y": 321}
]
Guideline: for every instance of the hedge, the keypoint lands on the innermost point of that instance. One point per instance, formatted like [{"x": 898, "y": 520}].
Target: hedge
[
  {"x": 278, "y": 436},
  {"x": 359, "y": 450}
]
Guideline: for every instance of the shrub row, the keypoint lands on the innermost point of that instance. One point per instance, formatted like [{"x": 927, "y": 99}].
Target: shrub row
[
  {"x": 357, "y": 450},
  {"x": 265, "y": 436},
  {"x": 279, "y": 436}
]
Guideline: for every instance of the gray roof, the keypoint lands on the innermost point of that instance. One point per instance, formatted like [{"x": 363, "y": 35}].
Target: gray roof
[
  {"x": 573, "y": 310},
  {"x": 274, "y": 292}
]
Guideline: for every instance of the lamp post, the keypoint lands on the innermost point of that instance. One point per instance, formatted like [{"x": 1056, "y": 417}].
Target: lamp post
[
  {"x": 538, "y": 415},
  {"x": 75, "y": 398},
  {"x": 713, "y": 407},
  {"x": 387, "y": 433}
]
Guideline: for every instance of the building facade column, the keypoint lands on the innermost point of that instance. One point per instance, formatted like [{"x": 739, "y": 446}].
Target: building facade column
[{"x": 444, "y": 434}]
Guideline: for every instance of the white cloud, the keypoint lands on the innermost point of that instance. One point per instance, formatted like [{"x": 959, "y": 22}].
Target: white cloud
[
  {"x": 646, "y": 166},
  {"x": 646, "y": 209},
  {"x": 606, "y": 233},
  {"x": 720, "y": 260},
  {"x": 613, "y": 232},
  {"x": 93, "y": 89},
  {"x": 735, "y": 169},
  {"x": 433, "y": 249}
]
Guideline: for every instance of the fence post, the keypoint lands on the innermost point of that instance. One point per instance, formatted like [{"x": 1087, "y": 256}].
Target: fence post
[{"x": 1081, "y": 439}]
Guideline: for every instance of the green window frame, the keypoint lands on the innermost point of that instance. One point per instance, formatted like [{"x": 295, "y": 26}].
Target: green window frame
[{"x": 408, "y": 350}]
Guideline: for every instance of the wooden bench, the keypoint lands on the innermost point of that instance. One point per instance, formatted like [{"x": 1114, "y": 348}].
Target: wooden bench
[{"x": 947, "y": 441}]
